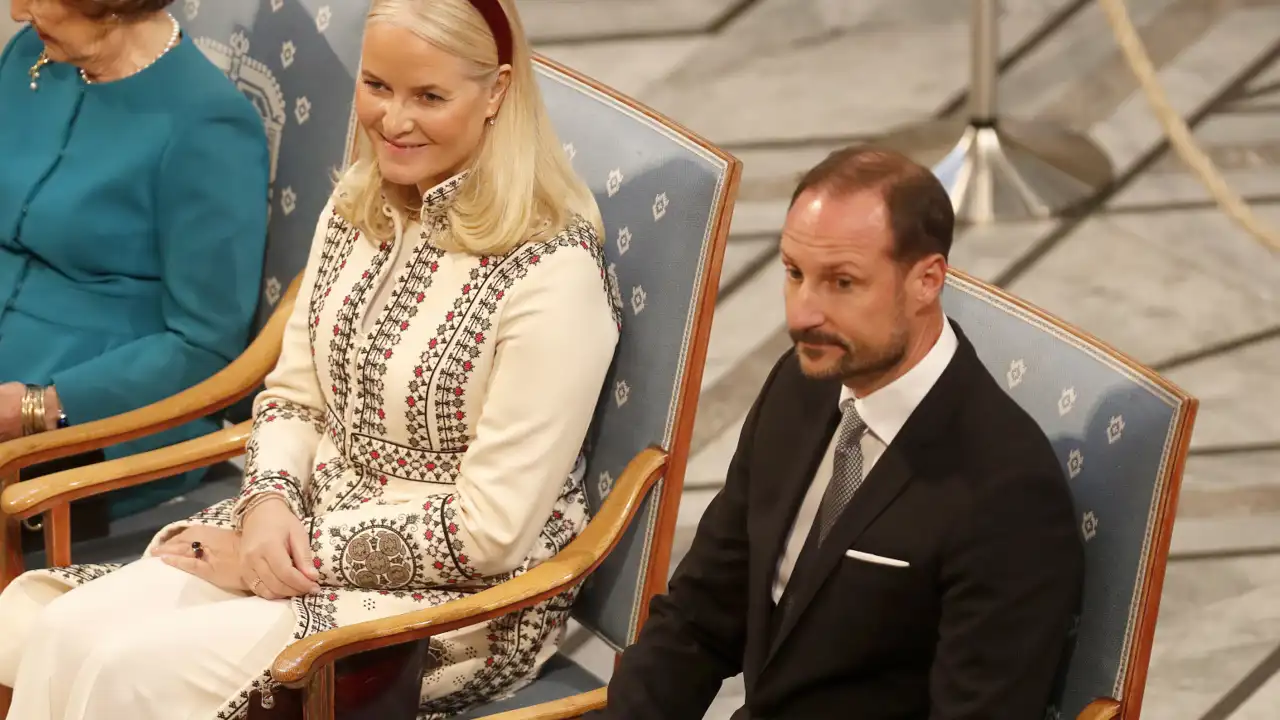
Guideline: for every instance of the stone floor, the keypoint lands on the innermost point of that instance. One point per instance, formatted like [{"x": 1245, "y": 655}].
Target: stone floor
[
  {"x": 1155, "y": 269},
  {"x": 779, "y": 83}
]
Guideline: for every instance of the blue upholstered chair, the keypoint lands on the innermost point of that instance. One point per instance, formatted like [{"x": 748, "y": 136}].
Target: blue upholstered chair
[
  {"x": 298, "y": 67},
  {"x": 666, "y": 197},
  {"x": 1121, "y": 432}
]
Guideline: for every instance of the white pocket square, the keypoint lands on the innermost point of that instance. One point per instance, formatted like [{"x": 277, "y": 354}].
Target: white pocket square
[{"x": 877, "y": 559}]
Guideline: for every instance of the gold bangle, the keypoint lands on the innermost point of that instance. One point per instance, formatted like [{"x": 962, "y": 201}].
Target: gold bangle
[
  {"x": 253, "y": 503},
  {"x": 33, "y": 420},
  {"x": 26, "y": 411},
  {"x": 37, "y": 410}
]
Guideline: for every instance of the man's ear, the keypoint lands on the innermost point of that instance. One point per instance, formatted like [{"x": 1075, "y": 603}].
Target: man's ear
[{"x": 929, "y": 276}]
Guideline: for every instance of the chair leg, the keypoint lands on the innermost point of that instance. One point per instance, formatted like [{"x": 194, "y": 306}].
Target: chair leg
[{"x": 317, "y": 699}]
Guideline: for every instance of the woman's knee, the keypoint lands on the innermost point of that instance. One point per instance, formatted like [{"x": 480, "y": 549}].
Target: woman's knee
[
  {"x": 71, "y": 627},
  {"x": 72, "y": 613},
  {"x": 131, "y": 666}
]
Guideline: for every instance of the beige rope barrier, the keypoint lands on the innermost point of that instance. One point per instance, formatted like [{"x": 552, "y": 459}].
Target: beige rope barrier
[{"x": 1175, "y": 128}]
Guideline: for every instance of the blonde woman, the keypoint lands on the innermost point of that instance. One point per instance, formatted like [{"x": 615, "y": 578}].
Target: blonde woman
[{"x": 420, "y": 436}]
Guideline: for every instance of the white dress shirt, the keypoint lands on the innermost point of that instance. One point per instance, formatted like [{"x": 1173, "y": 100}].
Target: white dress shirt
[{"x": 884, "y": 411}]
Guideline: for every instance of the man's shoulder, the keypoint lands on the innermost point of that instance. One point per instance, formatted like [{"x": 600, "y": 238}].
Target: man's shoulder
[
  {"x": 1006, "y": 457},
  {"x": 996, "y": 435}
]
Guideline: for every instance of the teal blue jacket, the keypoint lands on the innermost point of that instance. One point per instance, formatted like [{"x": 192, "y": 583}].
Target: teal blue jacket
[{"x": 133, "y": 220}]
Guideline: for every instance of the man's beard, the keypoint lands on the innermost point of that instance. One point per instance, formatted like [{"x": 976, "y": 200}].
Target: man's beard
[{"x": 857, "y": 362}]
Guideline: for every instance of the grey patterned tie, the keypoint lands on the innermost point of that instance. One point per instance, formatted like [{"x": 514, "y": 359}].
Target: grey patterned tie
[{"x": 846, "y": 472}]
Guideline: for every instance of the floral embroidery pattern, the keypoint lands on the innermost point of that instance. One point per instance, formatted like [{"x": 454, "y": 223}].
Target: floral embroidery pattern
[
  {"x": 377, "y": 558},
  {"x": 450, "y": 356},
  {"x": 81, "y": 574},
  {"x": 324, "y": 478},
  {"x": 258, "y": 479},
  {"x": 408, "y": 463},
  {"x": 341, "y": 551},
  {"x": 344, "y": 330},
  {"x": 339, "y": 240},
  {"x": 396, "y": 318}
]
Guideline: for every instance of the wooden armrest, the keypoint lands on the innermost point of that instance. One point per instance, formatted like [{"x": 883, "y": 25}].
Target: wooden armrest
[
  {"x": 570, "y": 707},
  {"x": 233, "y": 382},
  {"x": 24, "y": 499},
  {"x": 1100, "y": 709},
  {"x": 298, "y": 662}
]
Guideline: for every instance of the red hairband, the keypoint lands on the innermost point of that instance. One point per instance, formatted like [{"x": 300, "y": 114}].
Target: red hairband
[{"x": 496, "y": 18}]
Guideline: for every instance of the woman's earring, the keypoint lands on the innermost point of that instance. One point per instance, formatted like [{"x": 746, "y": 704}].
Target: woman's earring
[{"x": 492, "y": 120}]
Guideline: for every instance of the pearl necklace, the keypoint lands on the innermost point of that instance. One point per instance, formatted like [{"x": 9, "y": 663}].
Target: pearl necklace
[{"x": 43, "y": 60}]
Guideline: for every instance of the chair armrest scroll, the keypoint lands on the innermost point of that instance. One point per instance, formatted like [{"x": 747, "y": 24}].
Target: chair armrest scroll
[
  {"x": 34, "y": 496},
  {"x": 570, "y": 707},
  {"x": 1100, "y": 709},
  {"x": 579, "y": 558},
  {"x": 233, "y": 382}
]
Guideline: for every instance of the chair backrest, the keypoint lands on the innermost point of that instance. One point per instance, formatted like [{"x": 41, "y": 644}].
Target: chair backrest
[
  {"x": 1122, "y": 433},
  {"x": 298, "y": 65},
  {"x": 666, "y": 197}
]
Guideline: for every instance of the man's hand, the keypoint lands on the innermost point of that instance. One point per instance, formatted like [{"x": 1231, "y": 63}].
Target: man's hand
[
  {"x": 275, "y": 552},
  {"x": 219, "y": 560}
]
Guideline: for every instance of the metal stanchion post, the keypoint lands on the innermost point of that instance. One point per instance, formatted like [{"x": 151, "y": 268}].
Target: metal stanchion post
[{"x": 995, "y": 168}]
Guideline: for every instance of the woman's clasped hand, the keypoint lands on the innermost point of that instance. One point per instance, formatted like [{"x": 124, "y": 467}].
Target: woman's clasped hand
[{"x": 270, "y": 557}]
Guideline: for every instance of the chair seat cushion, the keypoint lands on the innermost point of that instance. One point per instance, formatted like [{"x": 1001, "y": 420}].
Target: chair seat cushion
[{"x": 560, "y": 678}]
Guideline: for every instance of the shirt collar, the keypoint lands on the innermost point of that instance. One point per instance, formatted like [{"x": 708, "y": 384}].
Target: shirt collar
[
  {"x": 440, "y": 197},
  {"x": 886, "y": 410}
]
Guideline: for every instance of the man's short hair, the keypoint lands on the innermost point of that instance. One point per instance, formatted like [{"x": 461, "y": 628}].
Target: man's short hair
[{"x": 920, "y": 213}]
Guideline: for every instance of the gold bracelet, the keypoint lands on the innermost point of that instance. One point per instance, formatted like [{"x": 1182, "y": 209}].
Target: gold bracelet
[
  {"x": 253, "y": 503},
  {"x": 33, "y": 420},
  {"x": 26, "y": 412}
]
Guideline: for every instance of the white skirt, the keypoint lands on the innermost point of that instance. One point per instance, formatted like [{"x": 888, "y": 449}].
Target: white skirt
[{"x": 147, "y": 642}]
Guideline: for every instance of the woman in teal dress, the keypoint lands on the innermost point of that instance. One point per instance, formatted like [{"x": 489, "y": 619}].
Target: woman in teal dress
[{"x": 133, "y": 214}]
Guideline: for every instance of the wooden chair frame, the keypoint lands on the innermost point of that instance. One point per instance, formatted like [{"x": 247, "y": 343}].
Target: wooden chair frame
[{"x": 309, "y": 664}]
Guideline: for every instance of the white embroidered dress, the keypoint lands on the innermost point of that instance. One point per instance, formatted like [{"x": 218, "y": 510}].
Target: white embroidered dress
[{"x": 432, "y": 448}]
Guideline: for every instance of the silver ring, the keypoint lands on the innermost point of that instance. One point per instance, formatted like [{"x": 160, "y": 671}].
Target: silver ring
[{"x": 253, "y": 586}]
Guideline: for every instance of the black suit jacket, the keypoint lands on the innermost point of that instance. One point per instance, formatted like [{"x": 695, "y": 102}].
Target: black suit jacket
[{"x": 969, "y": 493}]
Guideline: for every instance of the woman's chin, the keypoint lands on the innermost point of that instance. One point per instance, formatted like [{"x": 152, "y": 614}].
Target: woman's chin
[{"x": 401, "y": 174}]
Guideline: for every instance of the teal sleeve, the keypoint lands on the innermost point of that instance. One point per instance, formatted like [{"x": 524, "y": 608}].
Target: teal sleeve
[{"x": 211, "y": 224}]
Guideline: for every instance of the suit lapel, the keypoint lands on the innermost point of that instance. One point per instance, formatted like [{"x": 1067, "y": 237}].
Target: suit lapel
[
  {"x": 887, "y": 480},
  {"x": 889, "y": 477},
  {"x": 799, "y": 451}
]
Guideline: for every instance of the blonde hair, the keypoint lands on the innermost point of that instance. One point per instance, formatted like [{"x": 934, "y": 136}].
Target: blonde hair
[{"x": 520, "y": 188}]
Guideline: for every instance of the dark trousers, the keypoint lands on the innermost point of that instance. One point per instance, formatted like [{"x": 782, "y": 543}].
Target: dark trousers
[{"x": 90, "y": 518}]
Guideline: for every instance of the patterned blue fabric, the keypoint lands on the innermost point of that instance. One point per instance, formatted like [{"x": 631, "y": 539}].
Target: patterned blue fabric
[
  {"x": 1115, "y": 431},
  {"x": 297, "y": 62}
]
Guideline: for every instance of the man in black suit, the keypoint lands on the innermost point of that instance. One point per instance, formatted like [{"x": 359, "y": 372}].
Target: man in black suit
[{"x": 895, "y": 538}]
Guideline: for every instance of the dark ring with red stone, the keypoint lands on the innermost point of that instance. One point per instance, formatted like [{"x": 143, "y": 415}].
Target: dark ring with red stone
[{"x": 197, "y": 549}]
